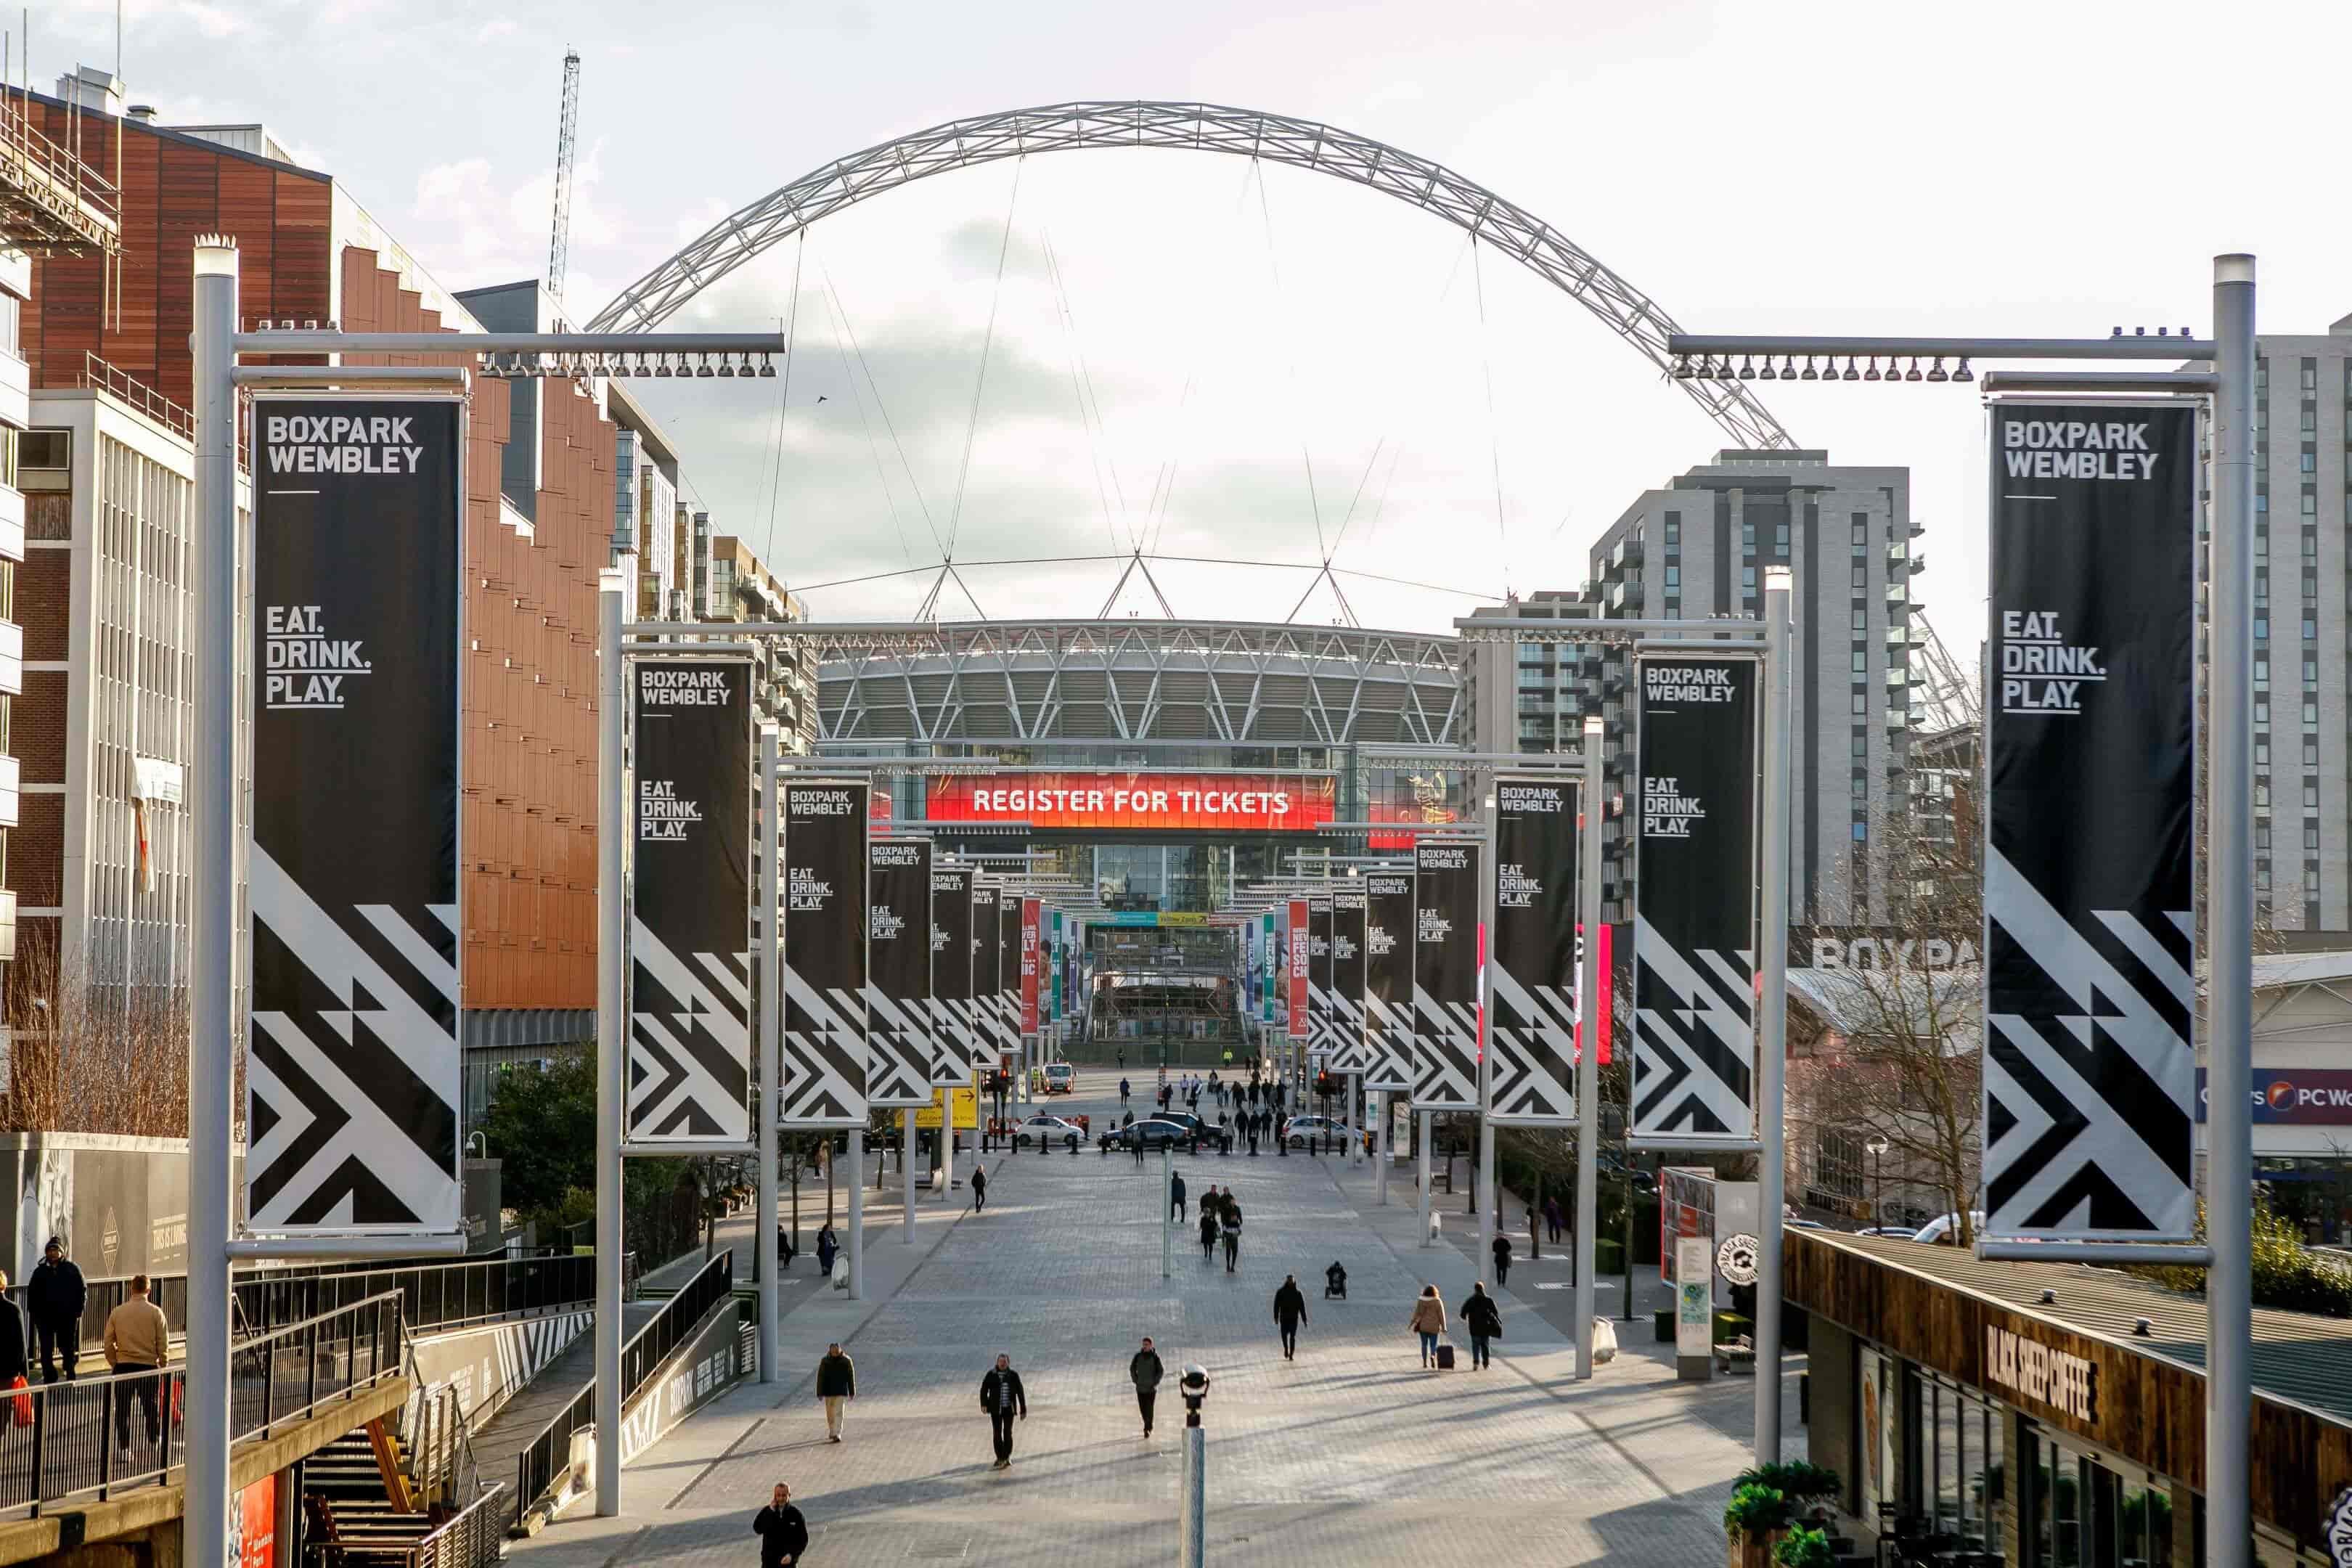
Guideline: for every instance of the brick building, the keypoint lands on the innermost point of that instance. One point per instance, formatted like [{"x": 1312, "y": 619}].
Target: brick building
[{"x": 113, "y": 375}]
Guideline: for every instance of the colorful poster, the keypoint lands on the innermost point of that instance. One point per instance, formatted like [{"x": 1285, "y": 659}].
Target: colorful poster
[{"x": 1300, "y": 942}]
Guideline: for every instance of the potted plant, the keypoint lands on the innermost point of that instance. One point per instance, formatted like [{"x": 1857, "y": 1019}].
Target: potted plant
[
  {"x": 1807, "y": 1486},
  {"x": 1805, "y": 1547},
  {"x": 1752, "y": 1521}
]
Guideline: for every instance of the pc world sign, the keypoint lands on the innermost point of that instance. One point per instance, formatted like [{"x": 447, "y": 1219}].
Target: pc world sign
[{"x": 2296, "y": 1097}]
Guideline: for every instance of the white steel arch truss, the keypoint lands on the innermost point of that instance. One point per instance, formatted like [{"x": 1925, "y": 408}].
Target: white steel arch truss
[
  {"x": 1193, "y": 127},
  {"x": 1218, "y": 682}
]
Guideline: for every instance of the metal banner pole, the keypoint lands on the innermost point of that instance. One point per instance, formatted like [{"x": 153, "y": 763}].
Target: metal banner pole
[
  {"x": 858, "y": 1213},
  {"x": 612, "y": 1032},
  {"x": 2228, "y": 900},
  {"x": 907, "y": 1176},
  {"x": 771, "y": 1019},
  {"x": 1588, "y": 1058},
  {"x": 1771, "y": 1036},
  {"x": 1167, "y": 1211},
  {"x": 1382, "y": 1109},
  {"x": 1423, "y": 1177},
  {"x": 212, "y": 1036}
]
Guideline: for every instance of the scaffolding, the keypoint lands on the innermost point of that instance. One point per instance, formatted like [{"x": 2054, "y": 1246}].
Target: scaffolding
[{"x": 51, "y": 203}]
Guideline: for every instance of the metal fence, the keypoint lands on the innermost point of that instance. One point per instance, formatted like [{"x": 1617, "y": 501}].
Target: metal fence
[
  {"x": 468, "y": 1540},
  {"x": 543, "y": 1460},
  {"x": 106, "y": 1435}
]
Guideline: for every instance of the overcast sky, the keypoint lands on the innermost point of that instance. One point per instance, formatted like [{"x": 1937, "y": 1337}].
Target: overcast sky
[{"x": 1182, "y": 340}]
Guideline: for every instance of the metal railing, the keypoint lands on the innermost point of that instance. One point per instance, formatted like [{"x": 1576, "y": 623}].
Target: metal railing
[
  {"x": 40, "y": 173},
  {"x": 99, "y": 375},
  {"x": 543, "y": 1459},
  {"x": 106, "y": 1435},
  {"x": 469, "y": 1539}
]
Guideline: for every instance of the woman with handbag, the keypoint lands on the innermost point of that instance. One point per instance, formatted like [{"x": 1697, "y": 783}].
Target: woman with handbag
[{"x": 1428, "y": 1321}]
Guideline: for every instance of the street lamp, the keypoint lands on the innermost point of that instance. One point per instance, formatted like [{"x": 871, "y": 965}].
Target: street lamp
[
  {"x": 1876, "y": 1145},
  {"x": 1194, "y": 1524}
]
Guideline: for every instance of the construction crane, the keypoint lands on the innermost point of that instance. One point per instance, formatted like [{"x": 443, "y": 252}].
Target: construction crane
[
  {"x": 558, "y": 241},
  {"x": 1952, "y": 697}
]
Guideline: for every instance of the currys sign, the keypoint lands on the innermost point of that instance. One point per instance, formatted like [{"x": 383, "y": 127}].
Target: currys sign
[
  {"x": 2294, "y": 1097},
  {"x": 1132, "y": 800}
]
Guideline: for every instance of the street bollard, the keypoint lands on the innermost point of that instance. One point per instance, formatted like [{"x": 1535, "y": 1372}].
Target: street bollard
[{"x": 1192, "y": 1522}]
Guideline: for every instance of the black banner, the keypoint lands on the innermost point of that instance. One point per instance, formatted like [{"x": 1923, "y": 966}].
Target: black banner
[
  {"x": 951, "y": 1039},
  {"x": 1532, "y": 974},
  {"x": 1320, "y": 1031},
  {"x": 1008, "y": 975},
  {"x": 987, "y": 993},
  {"x": 1348, "y": 1052},
  {"x": 690, "y": 937},
  {"x": 823, "y": 866},
  {"x": 2090, "y": 1079},
  {"x": 1694, "y": 899},
  {"x": 1388, "y": 981},
  {"x": 899, "y": 964},
  {"x": 352, "y": 1063},
  {"x": 1445, "y": 976}
]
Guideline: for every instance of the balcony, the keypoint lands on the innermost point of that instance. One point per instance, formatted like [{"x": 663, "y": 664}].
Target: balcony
[
  {"x": 11, "y": 770},
  {"x": 11, "y": 523},
  {"x": 12, "y": 658}
]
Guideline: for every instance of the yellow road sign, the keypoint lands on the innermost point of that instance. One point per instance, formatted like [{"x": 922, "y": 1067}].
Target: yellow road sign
[{"x": 966, "y": 1110}]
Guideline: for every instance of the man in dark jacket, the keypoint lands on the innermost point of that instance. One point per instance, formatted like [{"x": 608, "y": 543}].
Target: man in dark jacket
[
  {"x": 1176, "y": 1197},
  {"x": 979, "y": 1188},
  {"x": 1485, "y": 1322},
  {"x": 1002, "y": 1395},
  {"x": 1289, "y": 1312},
  {"x": 56, "y": 1297},
  {"x": 1144, "y": 1368},
  {"x": 1502, "y": 1259},
  {"x": 836, "y": 1385},
  {"x": 782, "y": 1532}
]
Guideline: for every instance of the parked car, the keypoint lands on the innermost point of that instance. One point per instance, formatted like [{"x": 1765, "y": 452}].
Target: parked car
[
  {"x": 1298, "y": 1129},
  {"x": 1190, "y": 1123},
  {"x": 1898, "y": 1232},
  {"x": 1944, "y": 1229},
  {"x": 1061, "y": 1078},
  {"x": 1047, "y": 1130},
  {"x": 1152, "y": 1134}
]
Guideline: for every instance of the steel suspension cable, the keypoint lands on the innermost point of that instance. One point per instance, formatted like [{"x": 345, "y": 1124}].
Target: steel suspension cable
[{"x": 980, "y": 382}]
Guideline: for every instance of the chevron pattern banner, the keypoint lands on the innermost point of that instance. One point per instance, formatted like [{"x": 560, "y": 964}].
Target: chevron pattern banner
[
  {"x": 823, "y": 864},
  {"x": 1532, "y": 975},
  {"x": 987, "y": 997},
  {"x": 1349, "y": 1054},
  {"x": 2090, "y": 1068},
  {"x": 1008, "y": 977},
  {"x": 690, "y": 939},
  {"x": 1320, "y": 1035},
  {"x": 1694, "y": 901},
  {"x": 898, "y": 974},
  {"x": 354, "y": 1071},
  {"x": 1388, "y": 981},
  {"x": 1446, "y": 976},
  {"x": 951, "y": 1037}
]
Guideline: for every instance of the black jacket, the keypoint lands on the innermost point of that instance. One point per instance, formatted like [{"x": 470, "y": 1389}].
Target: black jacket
[
  {"x": 1145, "y": 1370},
  {"x": 1502, "y": 1248},
  {"x": 1208, "y": 1224},
  {"x": 1176, "y": 1188},
  {"x": 836, "y": 1377},
  {"x": 13, "y": 1360},
  {"x": 782, "y": 1533},
  {"x": 1482, "y": 1316},
  {"x": 979, "y": 1179},
  {"x": 1289, "y": 1305},
  {"x": 1015, "y": 1397},
  {"x": 56, "y": 1294}
]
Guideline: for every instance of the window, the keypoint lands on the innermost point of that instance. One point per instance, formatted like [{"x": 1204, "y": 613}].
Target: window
[
  {"x": 2262, "y": 753},
  {"x": 1673, "y": 530},
  {"x": 45, "y": 449},
  {"x": 2311, "y": 797},
  {"x": 2311, "y": 713},
  {"x": 1860, "y": 575},
  {"x": 2310, "y": 630},
  {"x": 1861, "y": 662},
  {"x": 2261, "y": 709},
  {"x": 1747, "y": 537},
  {"x": 1861, "y": 745},
  {"x": 1674, "y": 575},
  {"x": 2261, "y": 669},
  {"x": 2311, "y": 669},
  {"x": 2311, "y": 836},
  {"x": 1861, "y": 531},
  {"x": 1747, "y": 578},
  {"x": 1861, "y": 832},
  {"x": 1780, "y": 538},
  {"x": 1861, "y": 785},
  {"x": 1861, "y": 618},
  {"x": 1957, "y": 1478}
]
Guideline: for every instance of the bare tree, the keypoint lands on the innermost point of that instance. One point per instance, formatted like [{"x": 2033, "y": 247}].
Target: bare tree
[{"x": 90, "y": 1057}]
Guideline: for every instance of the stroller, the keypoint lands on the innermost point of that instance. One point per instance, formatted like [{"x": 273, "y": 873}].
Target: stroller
[{"x": 1335, "y": 1283}]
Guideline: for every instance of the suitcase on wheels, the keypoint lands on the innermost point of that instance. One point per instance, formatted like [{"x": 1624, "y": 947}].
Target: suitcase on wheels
[{"x": 1445, "y": 1358}]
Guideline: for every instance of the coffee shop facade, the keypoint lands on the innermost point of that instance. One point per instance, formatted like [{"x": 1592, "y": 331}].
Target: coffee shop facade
[{"x": 2053, "y": 1415}]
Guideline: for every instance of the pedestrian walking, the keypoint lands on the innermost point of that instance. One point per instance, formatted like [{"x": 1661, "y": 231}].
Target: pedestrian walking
[
  {"x": 1501, "y": 1260},
  {"x": 1176, "y": 1197},
  {"x": 1484, "y": 1318},
  {"x": 1230, "y": 1226},
  {"x": 1553, "y": 1218},
  {"x": 1289, "y": 1312},
  {"x": 1208, "y": 1231},
  {"x": 784, "y": 1249},
  {"x": 1428, "y": 1321},
  {"x": 55, "y": 1297},
  {"x": 1144, "y": 1370},
  {"x": 137, "y": 1340},
  {"x": 782, "y": 1532},
  {"x": 1002, "y": 1395},
  {"x": 1139, "y": 1152},
  {"x": 828, "y": 1246},
  {"x": 1122, "y": 1058},
  {"x": 1122, "y": 1094},
  {"x": 979, "y": 1188},
  {"x": 836, "y": 1385}
]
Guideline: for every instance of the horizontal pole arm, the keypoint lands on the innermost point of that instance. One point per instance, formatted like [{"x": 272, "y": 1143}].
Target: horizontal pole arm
[
  {"x": 634, "y": 648},
  {"x": 326, "y": 342},
  {"x": 347, "y": 374},
  {"x": 2099, "y": 380},
  {"x": 1948, "y": 348},
  {"x": 1737, "y": 626},
  {"x": 687, "y": 1151},
  {"x": 1670, "y": 1145},
  {"x": 2180, "y": 1253},
  {"x": 430, "y": 1244}
]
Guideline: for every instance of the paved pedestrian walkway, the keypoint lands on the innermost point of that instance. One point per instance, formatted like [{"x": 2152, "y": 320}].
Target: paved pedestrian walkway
[{"x": 1350, "y": 1454}]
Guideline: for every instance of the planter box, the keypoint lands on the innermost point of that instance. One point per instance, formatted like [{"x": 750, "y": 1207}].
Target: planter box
[{"x": 1753, "y": 1551}]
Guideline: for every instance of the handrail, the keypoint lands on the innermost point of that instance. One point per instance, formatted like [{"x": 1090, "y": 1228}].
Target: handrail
[
  {"x": 101, "y": 375},
  {"x": 467, "y": 1538},
  {"x": 542, "y": 1459}
]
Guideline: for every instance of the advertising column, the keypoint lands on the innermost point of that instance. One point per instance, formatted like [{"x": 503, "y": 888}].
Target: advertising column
[
  {"x": 1445, "y": 976},
  {"x": 2090, "y": 1078},
  {"x": 690, "y": 932},
  {"x": 1531, "y": 1080},
  {"x": 898, "y": 969},
  {"x": 352, "y": 1064},
  {"x": 1694, "y": 901},
  {"x": 823, "y": 864},
  {"x": 952, "y": 1032}
]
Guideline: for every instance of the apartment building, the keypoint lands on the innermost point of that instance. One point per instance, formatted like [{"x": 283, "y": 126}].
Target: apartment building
[{"x": 742, "y": 588}]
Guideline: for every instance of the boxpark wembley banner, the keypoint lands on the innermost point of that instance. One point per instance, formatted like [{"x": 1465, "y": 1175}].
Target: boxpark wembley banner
[
  {"x": 951, "y": 1037},
  {"x": 2090, "y": 1082},
  {"x": 1532, "y": 975},
  {"x": 1388, "y": 981},
  {"x": 1445, "y": 976},
  {"x": 1348, "y": 1051},
  {"x": 690, "y": 937},
  {"x": 823, "y": 866},
  {"x": 1009, "y": 954},
  {"x": 1694, "y": 901},
  {"x": 353, "y": 1076},
  {"x": 898, "y": 973},
  {"x": 1320, "y": 1031},
  {"x": 986, "y": 1041}
]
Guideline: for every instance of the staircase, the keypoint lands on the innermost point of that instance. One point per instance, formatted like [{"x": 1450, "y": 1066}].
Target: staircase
[{"x": 352, "y": 1519}]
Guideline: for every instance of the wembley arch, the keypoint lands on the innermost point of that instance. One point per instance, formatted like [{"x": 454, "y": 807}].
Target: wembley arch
[{"x": 967, "y": 144}]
